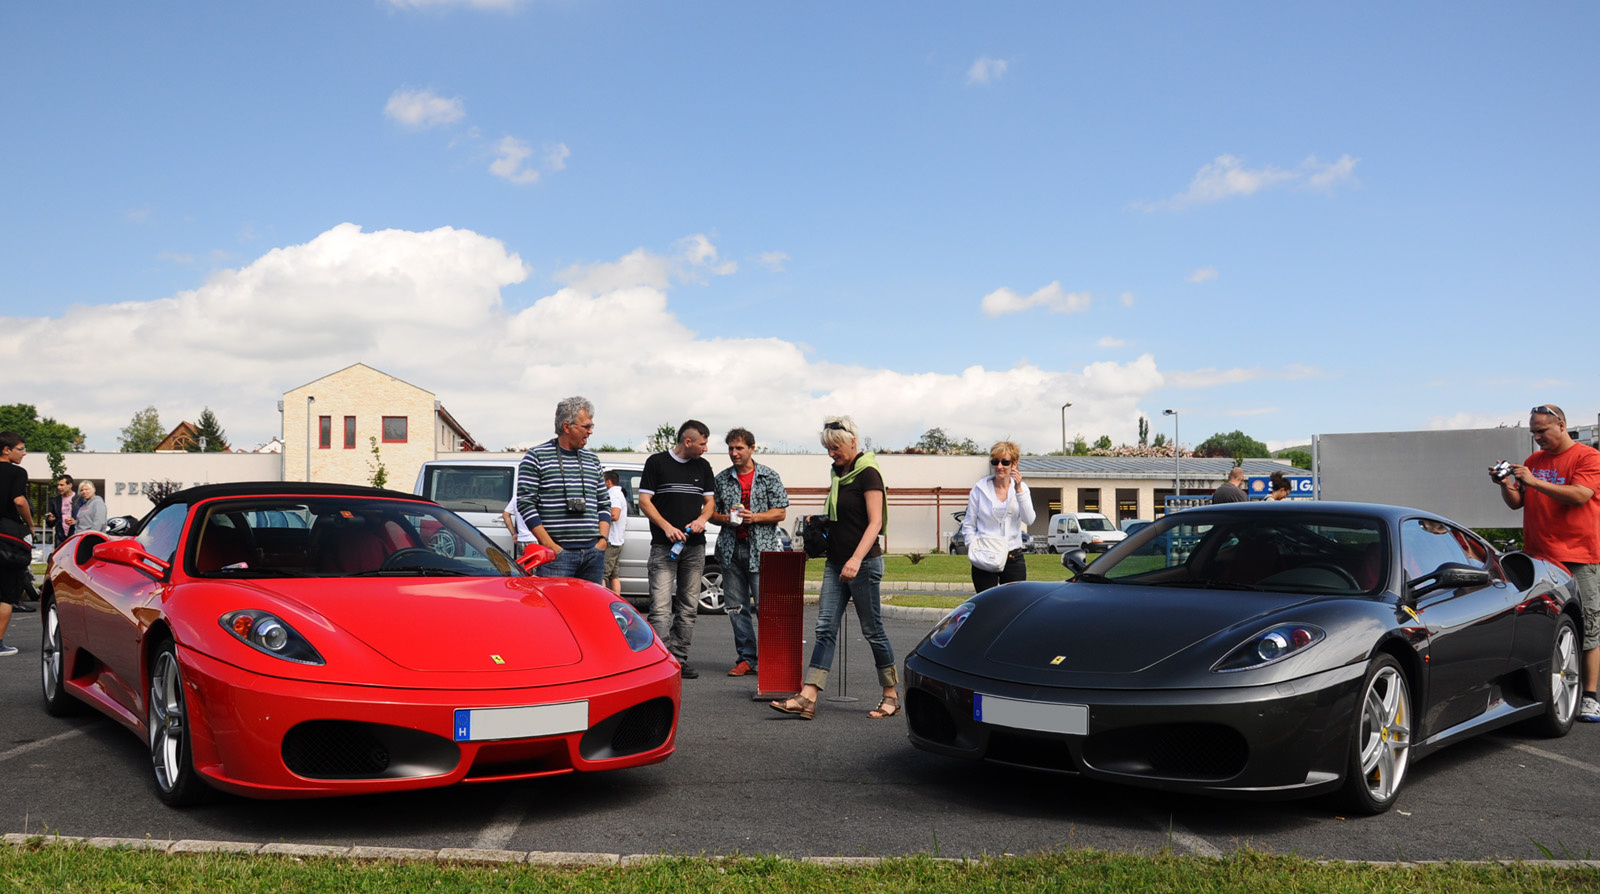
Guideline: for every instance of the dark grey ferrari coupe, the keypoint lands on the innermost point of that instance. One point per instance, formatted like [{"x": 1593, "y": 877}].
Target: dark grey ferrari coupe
[{"x": 1272, "y": 650}]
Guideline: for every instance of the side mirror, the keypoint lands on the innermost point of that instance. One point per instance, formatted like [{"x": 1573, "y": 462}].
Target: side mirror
[
  {"x": 1076, "y": 561},
  {"x": 1449, "y": 576},
  {"x": 534, "y": 555},
  {"x": 130, "y": 553},
  {"x": 120, "y": 525}
]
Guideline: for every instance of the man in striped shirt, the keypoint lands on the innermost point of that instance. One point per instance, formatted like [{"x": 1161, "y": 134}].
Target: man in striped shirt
[{"x": 561, "y": 496}]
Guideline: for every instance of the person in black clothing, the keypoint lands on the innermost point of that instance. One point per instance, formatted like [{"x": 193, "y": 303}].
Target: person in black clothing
[
  {"x": 677, "y": 493},
  {"x": 17, "y": 517}
]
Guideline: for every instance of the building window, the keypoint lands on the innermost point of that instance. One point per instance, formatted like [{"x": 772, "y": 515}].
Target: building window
[
  {"x": 1088, "y": 499},
  {"x": 349, "y": 432},
  {"x": 1127, "y": 503},
  {"x": 324, "y": 431},
  {"x": 394, "y": 429}
]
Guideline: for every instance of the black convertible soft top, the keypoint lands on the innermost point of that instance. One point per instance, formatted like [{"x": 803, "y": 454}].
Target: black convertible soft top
[{"x": 281, "y": 489}]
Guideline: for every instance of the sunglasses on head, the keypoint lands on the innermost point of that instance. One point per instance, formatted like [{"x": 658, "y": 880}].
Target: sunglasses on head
[
  {"x": 996, "y": 461},
  {"x": 1547, "y": 410},
  {"x": 834, "y": 426}
]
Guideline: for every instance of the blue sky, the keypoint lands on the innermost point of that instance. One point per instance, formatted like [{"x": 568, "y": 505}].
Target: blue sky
[{"x": 1272, "y": 217}]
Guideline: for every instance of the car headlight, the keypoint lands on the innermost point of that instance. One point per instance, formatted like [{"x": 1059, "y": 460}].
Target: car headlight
[
  {"x": 635, "y": 629},
  {"x": 1271, "y": 646},
  {"x": 266, "y": 632},
  {"x": 945, "y": 630}
]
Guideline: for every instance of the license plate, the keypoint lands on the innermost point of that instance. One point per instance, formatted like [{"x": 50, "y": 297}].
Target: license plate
[
  {"x": 1044, "y": 717},
  {"x": 483, "y": 724}
]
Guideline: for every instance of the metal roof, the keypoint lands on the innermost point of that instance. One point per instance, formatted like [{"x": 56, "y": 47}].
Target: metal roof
[{"x": 1148, "y": 467}]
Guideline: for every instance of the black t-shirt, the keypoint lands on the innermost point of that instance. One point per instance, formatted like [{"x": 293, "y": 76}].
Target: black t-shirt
[
  {"x": 845, "y": 533},
  {"x": 678, "y": 490},
  {"x": 13, "y": 484}
]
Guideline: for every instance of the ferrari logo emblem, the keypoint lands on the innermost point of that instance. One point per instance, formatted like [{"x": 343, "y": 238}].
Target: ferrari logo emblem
[
  {"x": 1057, "y": 660},
  {"x": 498, "y": 659}
]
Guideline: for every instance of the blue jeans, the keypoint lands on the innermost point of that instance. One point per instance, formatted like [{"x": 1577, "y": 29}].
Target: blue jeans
[
  {"x": 741, "y": 592},
  {"x": 675, "y": 594},
  {"x": 863, "y": 591},
  {"x": 581, "y": 562}
]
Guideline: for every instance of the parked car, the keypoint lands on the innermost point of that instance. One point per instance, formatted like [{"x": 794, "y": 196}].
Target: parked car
[
  {"x": 479, "y": 489},
  {"x": 1276, "y": 650},
  {"x": 1088, "y": 531},
  {"x": 382, "y": 645},
  {"x": 1129, "y": 525}
]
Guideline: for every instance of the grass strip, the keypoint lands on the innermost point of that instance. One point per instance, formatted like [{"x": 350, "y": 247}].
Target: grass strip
[{"x": 58, "y": 867}]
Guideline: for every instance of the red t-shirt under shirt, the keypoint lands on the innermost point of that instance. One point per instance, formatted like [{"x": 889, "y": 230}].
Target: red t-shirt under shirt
[
  {"x": 745, "y": 483},
  {"x": 1556, "y": 530}
]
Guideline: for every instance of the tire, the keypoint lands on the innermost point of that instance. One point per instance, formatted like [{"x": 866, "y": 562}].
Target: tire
[
  {"x": 52, "y": 664},
  {"x": 1380, "y": 748},
  {"x": 1561, "y": 690},
  {"x": 168, "y": 723},
  {"x": 711, "y": 601}
]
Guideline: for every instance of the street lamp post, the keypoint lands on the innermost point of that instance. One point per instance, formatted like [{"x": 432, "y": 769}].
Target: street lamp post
[
  {"x": 1064, "y": 428},
  {"x": 1177, "y": 453},
  {"x": 309, "y": 401}
]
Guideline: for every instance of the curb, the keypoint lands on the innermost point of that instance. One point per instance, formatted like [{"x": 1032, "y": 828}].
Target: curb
[{"x": 571, "y": 860}]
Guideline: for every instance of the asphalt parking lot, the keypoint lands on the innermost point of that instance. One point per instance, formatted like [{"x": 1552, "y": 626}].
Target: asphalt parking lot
[{"x": 748, "y": 780}]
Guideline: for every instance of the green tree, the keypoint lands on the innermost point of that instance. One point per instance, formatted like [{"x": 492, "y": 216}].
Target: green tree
[
  {"x": 1300, "y": 458},
  {"x": 1234, "y": 444},
  {"x": 45, "y": 436},
  {"x": 1160, "y": 440},
  {"x": 1078, "y": 446},
  {"x": 380, "y": 475},
  {"x": 664, "y": 438},
  {"x": 209, "y": 430},
  {"x": 934, "y": 440},
  {"x": 1103, "y": 442},
  {"x": 143, "y": 433},
  {"x": 1144, "y": 431}
]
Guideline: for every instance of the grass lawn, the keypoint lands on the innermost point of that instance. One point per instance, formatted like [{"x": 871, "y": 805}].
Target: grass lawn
[{"x": 948, "y": 569}]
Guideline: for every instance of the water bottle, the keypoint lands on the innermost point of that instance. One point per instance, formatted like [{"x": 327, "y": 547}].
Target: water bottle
[{"x": 677, "y": 548}]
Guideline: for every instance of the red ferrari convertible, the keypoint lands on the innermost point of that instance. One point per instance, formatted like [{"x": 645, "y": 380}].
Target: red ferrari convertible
[{"x": 283, "y": 640}]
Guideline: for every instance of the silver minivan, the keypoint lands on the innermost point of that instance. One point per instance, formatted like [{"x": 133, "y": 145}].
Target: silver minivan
[{"x": 479, "y": 489}]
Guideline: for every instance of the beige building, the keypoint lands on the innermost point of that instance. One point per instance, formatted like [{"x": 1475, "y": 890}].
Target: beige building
[{"x": 329, "y": 427}]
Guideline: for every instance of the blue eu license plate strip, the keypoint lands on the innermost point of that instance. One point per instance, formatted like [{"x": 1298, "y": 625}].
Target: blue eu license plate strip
[{"x": 1045, "y": 717}]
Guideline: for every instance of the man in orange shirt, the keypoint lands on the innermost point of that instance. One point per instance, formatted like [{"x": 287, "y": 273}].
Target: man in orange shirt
[{"x": 1555, "y": 488}]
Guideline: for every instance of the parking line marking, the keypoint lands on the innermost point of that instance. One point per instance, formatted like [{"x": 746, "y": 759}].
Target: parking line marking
[
  {"x": 497, "y": 834},
  {"x": 1558, "y": 758},
  {"x": 33, "y": 746},
  {"x": 1179, "y": 835}
]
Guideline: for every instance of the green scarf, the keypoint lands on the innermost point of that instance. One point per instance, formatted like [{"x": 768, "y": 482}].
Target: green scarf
[{"x": 863, "y": 462}]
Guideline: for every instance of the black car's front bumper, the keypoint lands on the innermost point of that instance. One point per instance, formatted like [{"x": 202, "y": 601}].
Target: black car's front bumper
[{"x": 1285, "y": 740}]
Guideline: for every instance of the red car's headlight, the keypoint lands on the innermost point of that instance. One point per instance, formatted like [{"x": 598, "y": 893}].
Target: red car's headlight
[{"x": 266, "y": 632}]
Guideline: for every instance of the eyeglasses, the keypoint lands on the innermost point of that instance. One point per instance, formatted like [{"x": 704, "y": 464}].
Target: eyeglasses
[
  {"x": 999, "y": 462},
  {"x": 1547, "y": 410}
]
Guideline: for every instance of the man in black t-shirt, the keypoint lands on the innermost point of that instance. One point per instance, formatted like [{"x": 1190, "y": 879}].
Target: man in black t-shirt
[
  {"x": 676, "y": 492},
  {"x": 14, "y": 508}
]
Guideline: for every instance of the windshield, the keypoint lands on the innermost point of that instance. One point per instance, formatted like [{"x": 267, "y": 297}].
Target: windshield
[
  {"x": 1096, "y": 524},
  {"x": 469, "y": 487},
  {"x": 1310, "y": 553},
  {"x": 338, "y": 537}
]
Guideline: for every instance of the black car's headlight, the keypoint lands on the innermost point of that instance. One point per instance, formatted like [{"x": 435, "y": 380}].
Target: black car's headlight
[
  {"x": 266, "y": 632},
  {"x": 945, "y": 630},
  {"x": 1270, "y": 646},
  {"x": 635, "y": 629}
]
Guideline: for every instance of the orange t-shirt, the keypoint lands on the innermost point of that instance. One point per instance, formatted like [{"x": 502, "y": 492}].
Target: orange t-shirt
[{"x": 1559, "y": 531}]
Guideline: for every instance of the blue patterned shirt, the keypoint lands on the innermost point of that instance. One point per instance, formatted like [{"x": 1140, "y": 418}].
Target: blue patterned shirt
[{"x": 766, "y": 492}]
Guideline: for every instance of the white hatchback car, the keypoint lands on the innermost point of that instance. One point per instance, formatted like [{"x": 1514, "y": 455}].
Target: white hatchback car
[{"x": 479, "y": 489}]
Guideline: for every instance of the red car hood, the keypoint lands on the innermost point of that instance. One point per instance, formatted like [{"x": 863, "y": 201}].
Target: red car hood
[{"x": 442, "y": 624}]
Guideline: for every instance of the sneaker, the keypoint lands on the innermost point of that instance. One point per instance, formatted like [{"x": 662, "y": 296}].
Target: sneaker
[
  {"x": 740, "y": 669},
  {"x": 6, "y": 650},
  {"x": 1589, "y": 713},
  {"x": 689, "y": 673}
]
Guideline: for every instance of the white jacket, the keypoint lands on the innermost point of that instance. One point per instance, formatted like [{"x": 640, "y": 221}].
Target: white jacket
[{"x": 987, "y": 517}]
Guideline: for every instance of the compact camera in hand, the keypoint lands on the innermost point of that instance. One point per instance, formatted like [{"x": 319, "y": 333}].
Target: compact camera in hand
[{"x": 1500, "y": 470}]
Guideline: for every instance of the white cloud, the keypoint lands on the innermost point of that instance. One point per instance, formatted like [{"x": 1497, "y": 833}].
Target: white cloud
[
  {"x": 1005, "y": 301},
  {"x": 1126, "y": 298},
  {"x": 776, "y": 261},
  {"x": 422, "y": 109},
  {"x": 426, "y": 307},
  {"x": 1226, "y": 177},
  {"x": 555, "y": 157},
  {"x": 985, "y": 71},
  {"x": 511, "y": 161},
  {"x": 1211, "y": 376},
  {"x": 1109, "y": 342},
  {"x": 1204, "y": 274}
]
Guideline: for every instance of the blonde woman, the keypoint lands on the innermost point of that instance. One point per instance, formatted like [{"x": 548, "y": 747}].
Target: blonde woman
[
  {"x": 857, "y": 513},
  {"x": 998, "y": 510}
]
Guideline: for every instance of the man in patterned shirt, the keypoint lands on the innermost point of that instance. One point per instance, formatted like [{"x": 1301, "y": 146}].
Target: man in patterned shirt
[
  {"x": 757, "y": 494},
  {"x": 561, "y": 496}
]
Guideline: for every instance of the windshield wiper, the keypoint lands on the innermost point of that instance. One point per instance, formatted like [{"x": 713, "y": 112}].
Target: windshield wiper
[{"x": 424, "y": 571}]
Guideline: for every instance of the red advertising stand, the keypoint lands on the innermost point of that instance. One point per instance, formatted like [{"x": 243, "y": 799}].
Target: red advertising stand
[{"x": 780, "y": 632}]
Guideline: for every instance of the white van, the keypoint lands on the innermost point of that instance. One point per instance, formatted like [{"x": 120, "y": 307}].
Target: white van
[
  {"x": 1088, "y": 531},
  {"x": 479, "y": 489}
]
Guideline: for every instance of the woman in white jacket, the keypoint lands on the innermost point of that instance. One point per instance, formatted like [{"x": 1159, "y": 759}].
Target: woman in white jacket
[{"x": 999, "y": 507}]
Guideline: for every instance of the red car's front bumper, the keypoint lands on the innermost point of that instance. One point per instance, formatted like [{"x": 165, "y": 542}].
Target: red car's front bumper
[{"x": 266, "y": 737}]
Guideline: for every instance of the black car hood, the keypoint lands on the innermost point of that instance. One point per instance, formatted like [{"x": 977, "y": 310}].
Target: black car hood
[{"x": 1121, "y": 629}]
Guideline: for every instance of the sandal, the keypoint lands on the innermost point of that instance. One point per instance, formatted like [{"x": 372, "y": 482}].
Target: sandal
[
  {"x": 889, "y": 707},
  {"x": 805, "y": 708}
]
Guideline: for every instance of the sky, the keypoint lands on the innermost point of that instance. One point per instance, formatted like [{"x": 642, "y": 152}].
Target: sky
[{"x": 1285, "y": 219}]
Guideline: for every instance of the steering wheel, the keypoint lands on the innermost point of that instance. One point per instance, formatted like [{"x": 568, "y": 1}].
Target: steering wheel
[
  {"x": 409, "y": 556},
  {"x": 1344, "y": 576}
]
